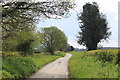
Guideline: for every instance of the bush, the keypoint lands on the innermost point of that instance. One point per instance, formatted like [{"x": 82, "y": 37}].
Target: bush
[
  {"x": 105, "y": 56},
  {"x": 118, "y": 58},
  {"x": 6, "y": 74},
  {"x": 92, "y": 52},
  {"x": 8, "y": 54},
  {"x": 25, "y": 47}
]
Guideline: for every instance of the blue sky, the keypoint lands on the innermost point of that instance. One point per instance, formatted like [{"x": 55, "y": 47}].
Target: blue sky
[{"x": 70, "y": 25}]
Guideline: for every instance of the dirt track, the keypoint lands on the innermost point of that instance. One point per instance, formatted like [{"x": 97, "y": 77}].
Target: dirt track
[{"x": 55, "y": 69}]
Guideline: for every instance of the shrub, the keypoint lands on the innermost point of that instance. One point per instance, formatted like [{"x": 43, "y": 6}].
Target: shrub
[
  {"x": 118, "y": 58},
  {"x": 105, "y": 56},
  {"x": 8, "y": 54},
  {"x": 6, "y": 74},
  {"x": 92, "y": 52}
]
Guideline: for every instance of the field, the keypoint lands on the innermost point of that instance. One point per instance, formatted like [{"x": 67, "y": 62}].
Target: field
[
  {"x": 22, "y": 67},
  {"x": 94, "y": 64}
]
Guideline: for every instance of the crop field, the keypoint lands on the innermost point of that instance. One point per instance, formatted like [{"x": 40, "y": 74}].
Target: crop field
[{"x": 94, "y": 64}]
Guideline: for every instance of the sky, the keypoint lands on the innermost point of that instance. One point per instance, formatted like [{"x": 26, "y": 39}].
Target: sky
[{"x": 70, "y": 26}]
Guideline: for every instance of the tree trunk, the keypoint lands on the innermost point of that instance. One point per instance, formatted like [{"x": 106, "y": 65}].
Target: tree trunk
[{"x": 92, "y": 46}]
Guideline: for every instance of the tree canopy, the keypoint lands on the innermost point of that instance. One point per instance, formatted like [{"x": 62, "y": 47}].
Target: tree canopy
[
  {"x": 22, "y": 17},
  {"x": 53, "y": 39},
  {"x": 93, "y": 25},
  {"x": 17, "y": 16}
]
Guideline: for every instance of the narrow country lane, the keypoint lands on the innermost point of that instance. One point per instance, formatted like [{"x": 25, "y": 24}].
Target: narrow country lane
[{"x": 55, "y": 69}]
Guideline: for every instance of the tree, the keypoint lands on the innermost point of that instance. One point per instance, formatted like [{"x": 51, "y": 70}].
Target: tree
[
  {"x": 24, "y": 42},
  {"x": 69, "y": 48},
  {"x": 17, "y": 16},
  {"x": 72, "y": 48},
  {"x": 23, "y": 16},
  {"x": 93, "y": 26},
  {"x": 53, "y": 39}
]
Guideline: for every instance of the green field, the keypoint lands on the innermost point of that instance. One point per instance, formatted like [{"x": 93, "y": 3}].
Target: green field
[
  {"x": 22, "y": 67},
  {"x": 94, "y": 64}
]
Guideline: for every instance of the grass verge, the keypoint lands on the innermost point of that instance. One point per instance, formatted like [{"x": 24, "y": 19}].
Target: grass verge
[
  {"x": 22, "y": 67},
  {"x": 87, "y": 66}
]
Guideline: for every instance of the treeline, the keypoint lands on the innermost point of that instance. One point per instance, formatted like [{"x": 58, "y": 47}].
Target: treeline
[
  {"x": 19, "y": 21},
  {"x": 21, "y": 38}
]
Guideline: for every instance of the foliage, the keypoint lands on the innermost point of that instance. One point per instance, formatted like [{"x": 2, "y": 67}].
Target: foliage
[
  {"x": 113, "y": 51},
  {"x": 19, "y": 20},
  {"x": 86, "y": 66},
  {"x": 69, "y": 48},
  {"x": 8, "y": 54},
  {"x": 17, "y": 16},
  {"x": 107, "y": 55},
  {"x": 24, "y": 42},
  {"x": 118, "y": 58},
  {"x": 53, "y": 39},
  {"x": 60, "y": 53},
  {"x": 22, "y": 67},
  {"x": 93, "y": 26},
  {"x": 72, "y": 48},
  {"x": 5, "y": 74}
]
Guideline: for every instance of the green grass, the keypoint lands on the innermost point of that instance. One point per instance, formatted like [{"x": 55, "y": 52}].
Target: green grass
[
  {"x": 84, "y": 66},
  {"x": 22, "y": 67}
]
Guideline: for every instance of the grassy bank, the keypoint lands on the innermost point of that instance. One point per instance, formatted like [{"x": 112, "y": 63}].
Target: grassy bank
[
  {"x": 88, "y": 65},
  {"x": 22, "y": 67}
]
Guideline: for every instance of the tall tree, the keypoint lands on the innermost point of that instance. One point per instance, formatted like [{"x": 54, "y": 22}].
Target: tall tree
[
  {"x": 53, "y": 39},
  {"x": 93, "y": 26}
]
